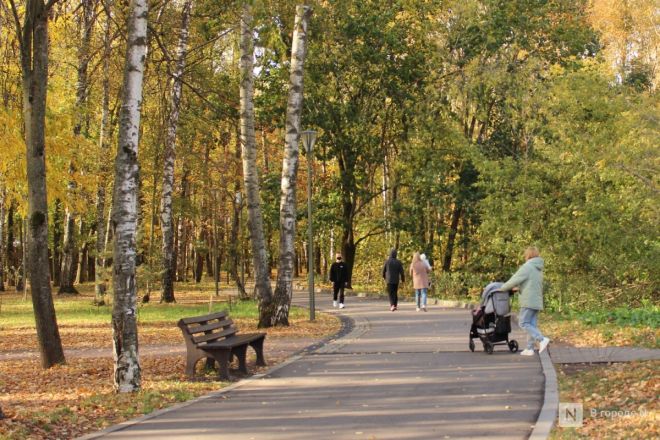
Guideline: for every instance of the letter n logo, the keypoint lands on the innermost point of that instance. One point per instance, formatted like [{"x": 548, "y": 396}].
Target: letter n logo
[{"x": 570, "y": 415}]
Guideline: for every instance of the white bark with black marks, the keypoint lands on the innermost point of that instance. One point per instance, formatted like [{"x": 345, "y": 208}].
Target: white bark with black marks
[
  {"x": 70, "y": 249},
  {"x": 284, "y": 286},
  {"x": 104, "y": 146},
  {"x": 166, "y": 218},
  {"x": 250, "y": 172},
  {"x": 3, "y": 196},
  {"x": 127, "y": 373}
]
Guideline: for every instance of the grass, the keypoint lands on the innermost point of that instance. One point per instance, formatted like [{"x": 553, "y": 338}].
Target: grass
[
  {"x": 620, "y": 327},
  {"x": 79, "y": 309},
  {"x": 72, "y": 399}
]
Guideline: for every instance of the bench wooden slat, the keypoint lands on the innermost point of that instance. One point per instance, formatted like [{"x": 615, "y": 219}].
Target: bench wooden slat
[
  {"x": 233, "y": 341},
  {"x": 208, "y": 327},
  {"x": 214, "y": 336},
  {"x": 205, "y": 318}
]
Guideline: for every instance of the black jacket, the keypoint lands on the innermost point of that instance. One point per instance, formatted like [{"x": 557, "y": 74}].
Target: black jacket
[
  {"x": 339, "y": 273},
  {"x": 393, "y": 269}
]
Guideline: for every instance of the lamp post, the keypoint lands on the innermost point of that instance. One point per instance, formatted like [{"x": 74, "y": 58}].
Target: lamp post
[{"x": 308, "y": 138}]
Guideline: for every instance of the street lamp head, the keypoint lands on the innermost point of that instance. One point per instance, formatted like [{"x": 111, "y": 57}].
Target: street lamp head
[{"x": 308, "y": 138}]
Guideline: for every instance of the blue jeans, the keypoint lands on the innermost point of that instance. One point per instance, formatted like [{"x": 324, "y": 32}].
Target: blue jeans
[
  {"x": 527, "y": 320},
  {"x": 420, "y": 292}
]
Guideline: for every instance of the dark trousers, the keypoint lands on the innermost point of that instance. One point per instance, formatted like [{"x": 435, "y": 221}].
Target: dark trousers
[
  {"x": 392, "y": 291},
  {"x": 338, "y": 290}
]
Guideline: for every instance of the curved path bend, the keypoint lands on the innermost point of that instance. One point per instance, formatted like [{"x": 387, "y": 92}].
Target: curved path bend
[{"x": 396, "y": 375}]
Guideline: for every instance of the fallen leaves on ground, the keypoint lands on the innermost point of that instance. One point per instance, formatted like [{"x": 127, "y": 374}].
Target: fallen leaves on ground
[
  {"x": 69, "y": 400},
  {"x": 619, "y": 400},
  {"x": 578, "y": 334},
  {"x": 162, "y": 333}
]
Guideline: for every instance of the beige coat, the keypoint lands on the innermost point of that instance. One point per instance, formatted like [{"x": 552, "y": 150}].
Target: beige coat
[{"x": 420, "y": 275}]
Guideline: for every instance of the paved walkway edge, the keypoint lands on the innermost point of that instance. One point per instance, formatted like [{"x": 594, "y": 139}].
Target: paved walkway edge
[
  {"x": 548, "y": 414},
  {"x": 347, "y": 322}
]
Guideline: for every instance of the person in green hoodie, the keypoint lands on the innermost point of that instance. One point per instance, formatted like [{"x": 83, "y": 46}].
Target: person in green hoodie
[{"x": 529, "y": 280}]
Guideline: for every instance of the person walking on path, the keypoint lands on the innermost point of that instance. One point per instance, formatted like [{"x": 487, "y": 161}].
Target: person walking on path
[
  {"x": 339, "y": 278},
  {"x": 392, "y": 272},
  {"x": 529, "y": 279},
  {"x": 419, "y": 272}
]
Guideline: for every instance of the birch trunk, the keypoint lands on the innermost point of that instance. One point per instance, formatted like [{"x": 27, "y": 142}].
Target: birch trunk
[
  {"x": 166, "y": 218},
  {"x": 262, "y": 286},
  {"x": 70, "y": 257},
  {"x": 100, "y": 287},
  {"x": 56, "y": 255},
  {"x": 34, "y": 67},
  {"x": 10, "y": 252},
  {"x": 125, "y": 211},
  {"x": 279, "y": 310},
  {"x": 3, "y": 195}
]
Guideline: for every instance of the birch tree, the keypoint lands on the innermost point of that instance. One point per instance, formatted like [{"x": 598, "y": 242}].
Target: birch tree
[
  {"x": 279, "y": 311},
  {"x": 70, "y": 251},
  {"x": 33, "y": 42},
  {"x": 166, "y": 219},
  {"x": 250, "y": 173},
  {"x": 3, "y": 196},
  {"x": 125, "y": 211},
  {"x": 104, "y": 145}
]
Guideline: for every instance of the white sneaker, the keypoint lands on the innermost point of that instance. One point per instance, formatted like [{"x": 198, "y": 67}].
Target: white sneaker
[
  {"x": 527, "y": 352},
  {"x": 341, "y": 305},
  {"x": 334, "y": 304},
  {"x": 543, "y": 344},
  {"x": 417, "y": 309}
]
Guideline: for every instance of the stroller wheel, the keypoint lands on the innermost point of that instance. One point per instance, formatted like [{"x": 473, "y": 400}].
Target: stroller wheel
[
  {"x": 471, "y": 345},
  {"x": 488, "y": 347},
  {"x": 513, "y": 345}
]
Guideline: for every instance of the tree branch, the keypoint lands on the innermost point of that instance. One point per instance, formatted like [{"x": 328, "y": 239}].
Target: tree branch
[
  {"x": 17, "y": 21},
  {"x": 50, "y": 4},
  {"x": 648, "y": 182},
  {"x": 376, "y": 231},
  {"x": 368, "y": 200}
]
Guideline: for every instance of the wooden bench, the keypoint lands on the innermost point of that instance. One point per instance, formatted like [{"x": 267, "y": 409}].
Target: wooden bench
[{"x": 215, "y": 337}]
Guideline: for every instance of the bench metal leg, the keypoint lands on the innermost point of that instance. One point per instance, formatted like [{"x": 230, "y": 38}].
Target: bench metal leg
[{"x": 258, "y": 347}]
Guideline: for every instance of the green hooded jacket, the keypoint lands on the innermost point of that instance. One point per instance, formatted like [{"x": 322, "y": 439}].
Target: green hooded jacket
[{"x": 529, "y": 278}]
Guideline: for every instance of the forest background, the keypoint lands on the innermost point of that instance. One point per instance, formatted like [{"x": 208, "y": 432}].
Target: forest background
[{"x": 464, "y": 129}]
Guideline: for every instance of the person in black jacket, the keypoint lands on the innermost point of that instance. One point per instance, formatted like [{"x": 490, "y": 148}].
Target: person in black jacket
[
  {"x": 339, "y": 278},
  {"x": 392, "y": 271}
]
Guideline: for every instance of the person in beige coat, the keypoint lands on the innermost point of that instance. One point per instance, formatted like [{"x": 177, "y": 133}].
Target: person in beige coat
[{"x": 419, "y": 271}]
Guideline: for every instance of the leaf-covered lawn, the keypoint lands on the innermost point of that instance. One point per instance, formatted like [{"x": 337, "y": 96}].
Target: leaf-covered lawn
[
  {"x": 603, "y": 329},
  {"x": 620, "y": 401},
  {"x": 69, "y": 400},
  {"x": 84, "y": 325}
]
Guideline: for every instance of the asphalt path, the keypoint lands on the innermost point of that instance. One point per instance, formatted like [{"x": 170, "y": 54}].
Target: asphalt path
[{"x": 396, "y": 375}]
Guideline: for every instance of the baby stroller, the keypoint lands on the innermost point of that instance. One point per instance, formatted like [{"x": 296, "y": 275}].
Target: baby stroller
[{"x": 491, "y": 322}]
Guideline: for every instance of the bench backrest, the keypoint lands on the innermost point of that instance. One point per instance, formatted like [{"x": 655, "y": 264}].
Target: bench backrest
[{"x": 208, "y": 328}]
